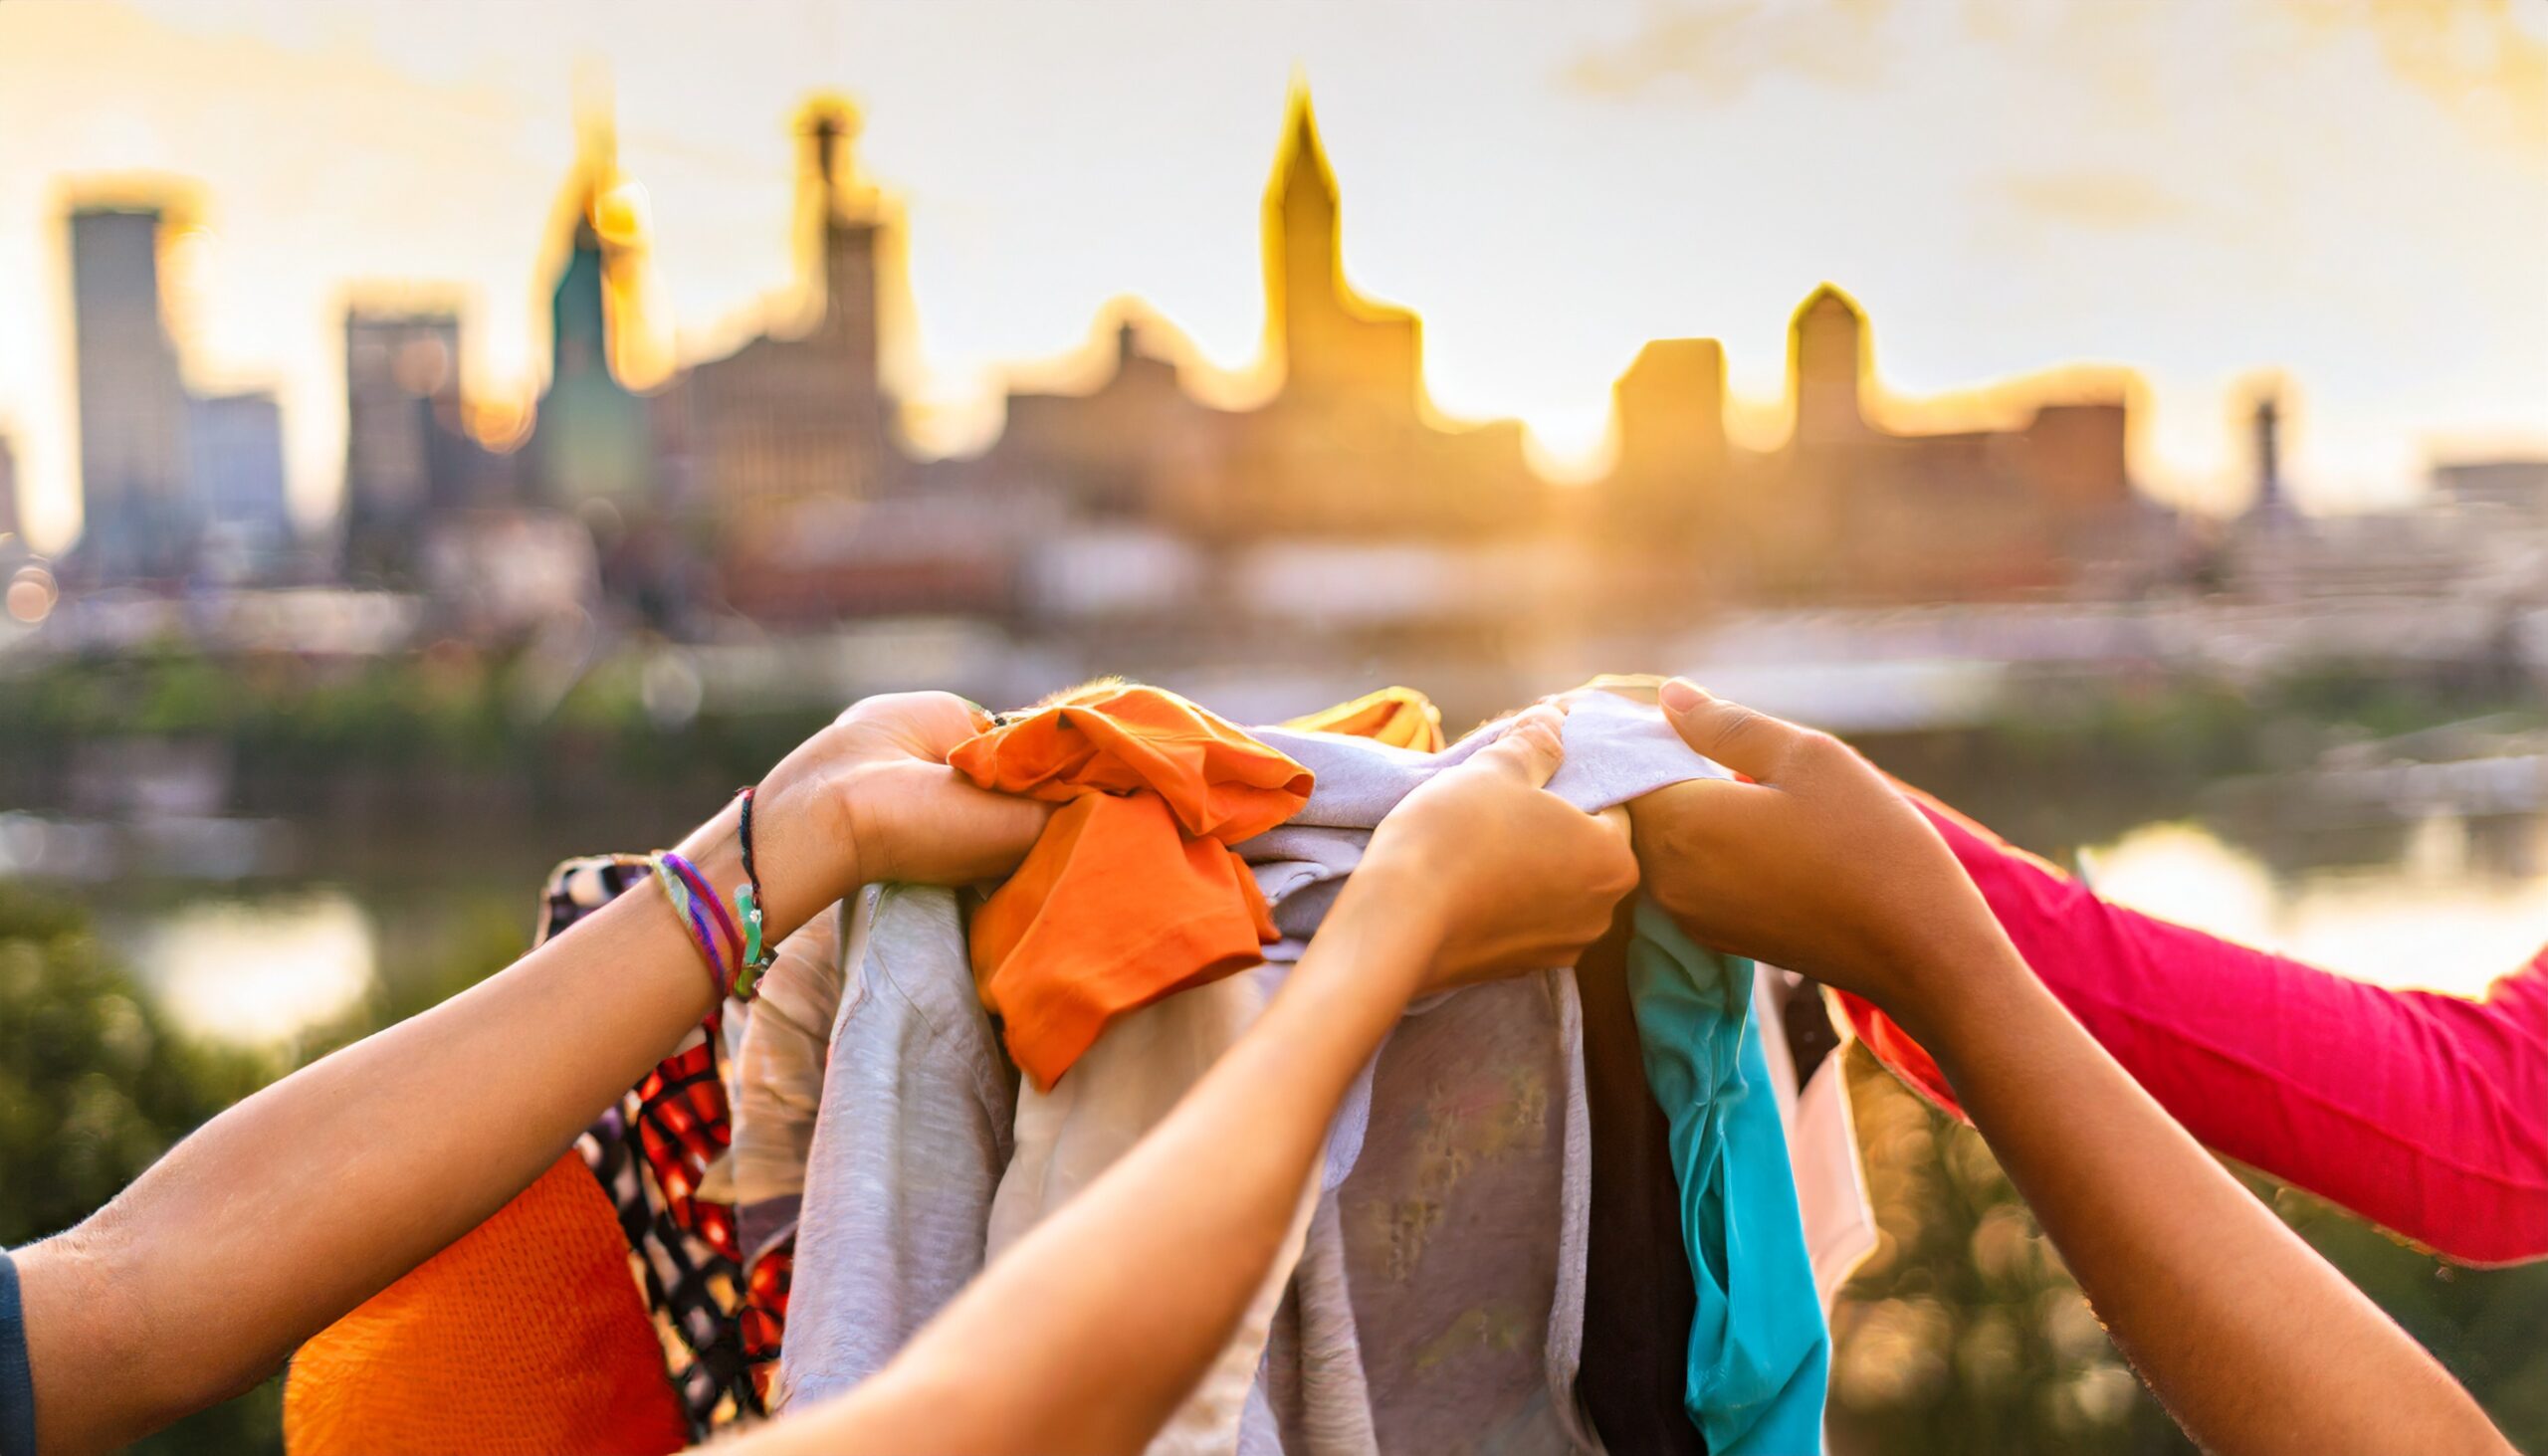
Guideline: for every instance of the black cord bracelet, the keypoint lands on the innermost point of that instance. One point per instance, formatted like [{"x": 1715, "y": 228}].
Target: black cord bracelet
[{"x": 757, "y": 951}]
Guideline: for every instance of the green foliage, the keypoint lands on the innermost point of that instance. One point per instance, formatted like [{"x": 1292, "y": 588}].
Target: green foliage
[
  {"x": 95, "y": 1086},
  {"x": 1963, "y": 1332},
  {"x": 292, "y": 726}
]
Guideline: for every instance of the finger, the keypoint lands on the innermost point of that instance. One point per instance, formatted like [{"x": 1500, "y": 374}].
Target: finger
[
  {"x": 1751, "y": 744},
  {"x": 1702, "y": 815},
  {"x": 1533, "y": 746}
]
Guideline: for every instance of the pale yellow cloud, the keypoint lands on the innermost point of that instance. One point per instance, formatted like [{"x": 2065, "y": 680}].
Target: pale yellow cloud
[
  {"x": 2484, "y": 63},
  {"x": 1721, "y": 48},
  {"x": 2097, "y": 200}
]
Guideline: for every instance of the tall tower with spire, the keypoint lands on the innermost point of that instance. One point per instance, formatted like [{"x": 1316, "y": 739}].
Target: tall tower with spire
[
  {"x": 138, "y": 519},
  {"x": 790, "y": 433},
  {"x": 2272, "y": 504},
  {"x": 1304, "y": 273},
  {"x": 591, "y": 439},
  {"x": 1328, "y": 338},
  {"x": 847, "y": 234}
]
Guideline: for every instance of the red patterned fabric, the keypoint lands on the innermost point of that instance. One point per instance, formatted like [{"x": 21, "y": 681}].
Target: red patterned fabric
[{"x": 721, "y": 1322}]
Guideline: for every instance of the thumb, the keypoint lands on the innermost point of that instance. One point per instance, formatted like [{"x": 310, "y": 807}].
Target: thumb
[
  {"x": 1750, "y": 742},
  {"x": 1533, "y": 746}
]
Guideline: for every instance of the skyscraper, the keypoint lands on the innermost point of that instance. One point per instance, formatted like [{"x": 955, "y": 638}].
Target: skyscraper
[
  {"x": 406, "y": 454},
  {"x": 137, "y": 520},
  {"x": 8, "y": 491},
  {"x": 235, "y": 460}
]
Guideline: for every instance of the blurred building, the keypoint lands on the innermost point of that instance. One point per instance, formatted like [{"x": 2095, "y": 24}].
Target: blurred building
[
  {"x": 787, "y": 438},
  {"x": 2515, "y": 488},
  {"x": 410, "y": 459},
  {"x": 1348, "y": 445},
  {"x": 402, "y": 370},
  {"x": 137, "y": 520},
  {"x": 1852, "y": 508},
  {"x": 235, "y": 458},
  {"x": 506, "y": 572},
  {"x": 8, "y": 489},
  {"x": 1136, "y": 447},
  {"x": 1669, "y": 477},
  {"x": 592, "y": 441},
  {"x": 2271, "y": 504}
]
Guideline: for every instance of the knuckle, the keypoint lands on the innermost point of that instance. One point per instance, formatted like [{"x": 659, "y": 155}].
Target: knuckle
[{"x": 1741, "y": 727}]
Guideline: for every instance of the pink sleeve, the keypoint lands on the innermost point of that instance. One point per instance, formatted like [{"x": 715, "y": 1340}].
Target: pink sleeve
[{"x": 2427, "y": 1114}]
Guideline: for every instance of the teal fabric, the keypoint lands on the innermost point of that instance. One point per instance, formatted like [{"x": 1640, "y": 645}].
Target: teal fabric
[{"x": 1759, "y": 1354}]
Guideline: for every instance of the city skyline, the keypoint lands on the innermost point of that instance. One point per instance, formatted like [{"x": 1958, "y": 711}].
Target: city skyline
[{"x": 1916, "y": 349}]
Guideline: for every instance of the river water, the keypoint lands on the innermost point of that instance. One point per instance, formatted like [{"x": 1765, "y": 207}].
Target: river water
[{"x": 2445, "y": 903}]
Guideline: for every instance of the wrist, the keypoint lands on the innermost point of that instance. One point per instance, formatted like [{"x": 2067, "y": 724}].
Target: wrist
[
  {"x": 791, "y": 889},
  {"x": 1952, "y": 996},
  {"x": 1388, "y": 900}
]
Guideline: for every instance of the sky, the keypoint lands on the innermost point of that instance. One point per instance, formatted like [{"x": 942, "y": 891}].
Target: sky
[{"x": 2350, "y": 196}]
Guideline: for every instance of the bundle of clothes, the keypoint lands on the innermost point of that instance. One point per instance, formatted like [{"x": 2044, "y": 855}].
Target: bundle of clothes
[
  {"x": 1603, "y": 1207},
  {"x": 1557, "y": 1213}
]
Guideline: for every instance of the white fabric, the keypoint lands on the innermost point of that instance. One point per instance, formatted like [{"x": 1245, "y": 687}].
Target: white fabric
[
  {"x": 917, "y": 1110},
  {"x": 1120, "y": 1089},
  {"x": 1137, "y": 1067},
  {"x": 778, "y": 1072},
  {"x": 1823, "y": 1143}
]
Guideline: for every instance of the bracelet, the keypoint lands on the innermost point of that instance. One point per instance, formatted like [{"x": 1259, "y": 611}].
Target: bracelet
[
  {"x": 669, "y": 869},
  {"x": 757, "y": 954},
  {"x": 703, "y": 893}
]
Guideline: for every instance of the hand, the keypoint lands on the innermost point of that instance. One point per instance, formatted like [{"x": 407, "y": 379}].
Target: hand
[
  {"x": 1818, "y": 864},
  {"x": 871, "y": 798},
  {"x": 1509, "y": 877}
]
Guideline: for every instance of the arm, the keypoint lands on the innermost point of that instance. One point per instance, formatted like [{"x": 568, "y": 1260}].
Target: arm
[
  {"x": 1088, "y": 1333},
  {"x": 294, "y": 1206},
  {"x": 2424, "y": 1112},
  {"x": 2253, "y": 1342}
]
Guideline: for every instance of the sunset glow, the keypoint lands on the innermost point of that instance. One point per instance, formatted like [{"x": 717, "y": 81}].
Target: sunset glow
[{"x": 2121, "y": 186}]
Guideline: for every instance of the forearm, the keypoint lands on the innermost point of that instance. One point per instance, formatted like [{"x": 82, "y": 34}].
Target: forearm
[
  {"x": 2427, "y": 1114},
  {"x": 1094, "y": 1326},
  {"x": 288, "y": 1209},
  {"x": 2253, "y": 1342}
]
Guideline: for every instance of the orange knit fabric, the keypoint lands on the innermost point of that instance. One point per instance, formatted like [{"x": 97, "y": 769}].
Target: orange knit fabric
[
  {"x": 1131, "y": 893},
  {"x": 526, "y": 1335},
  {"x": 1399, "y": 717}
]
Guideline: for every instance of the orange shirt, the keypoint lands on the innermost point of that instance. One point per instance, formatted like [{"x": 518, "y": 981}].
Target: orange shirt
[
  {"x": 527, "y": 1335},
  {"x": 1132, "y": 892}
]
